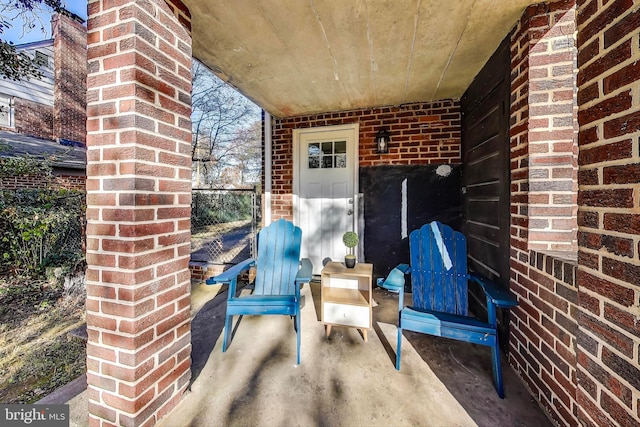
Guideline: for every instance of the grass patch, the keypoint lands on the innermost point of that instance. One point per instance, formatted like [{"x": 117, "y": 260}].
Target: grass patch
[{"x": 36, "y": 354}]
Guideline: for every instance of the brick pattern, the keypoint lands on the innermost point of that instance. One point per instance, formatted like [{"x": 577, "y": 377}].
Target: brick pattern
[
  {"x": 33, "y": 119},
  {"x": 70, "y": 77},
  {"x": 67, "y": 118},
  {"x": 553, "y": 128},
  {"x": 421, "y": 133},
  {"x": 543, "y": 169},
  {"x": 67, "y": 182},
  {"x": 543, "y": 332},
  {"x": 544, "y": 128},
  {"x": 200, "y": 271},
  {"x": 181, "y": 12},
  {"x": 138, "y": 211},
  {"x": 519, "y": 137},
  {"x": 609, "y": 216}
]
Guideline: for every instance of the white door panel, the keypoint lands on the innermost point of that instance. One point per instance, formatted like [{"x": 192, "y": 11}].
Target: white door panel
[{"x": 325, "y": 173}]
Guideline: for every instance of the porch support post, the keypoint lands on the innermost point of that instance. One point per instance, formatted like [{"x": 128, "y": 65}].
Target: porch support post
[
  {"x": 268, "y": 137},
  {"x": 138, "y": 211}
]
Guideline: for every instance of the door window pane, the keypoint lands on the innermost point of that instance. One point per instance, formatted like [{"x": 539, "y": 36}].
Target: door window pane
[
  {"x": 314, "y": 149},
  {"x": 327, "y": 162},
  {"x": 327, "y": 155},
  {"x": 314, "y": 156}
]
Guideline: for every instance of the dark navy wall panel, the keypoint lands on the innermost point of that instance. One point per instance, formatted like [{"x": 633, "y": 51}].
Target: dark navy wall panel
[{"x": 433, "y": 193}]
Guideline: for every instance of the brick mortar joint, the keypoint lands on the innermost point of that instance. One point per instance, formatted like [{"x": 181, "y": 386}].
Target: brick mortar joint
[{"x": 608, "y": 369}]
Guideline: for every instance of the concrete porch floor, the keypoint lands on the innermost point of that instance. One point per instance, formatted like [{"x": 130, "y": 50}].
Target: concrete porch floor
[{"x": 342, "y": 381}]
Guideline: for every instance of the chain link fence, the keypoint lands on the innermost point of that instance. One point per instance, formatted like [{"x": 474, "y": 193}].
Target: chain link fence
[{"x": 223, "y": 225}]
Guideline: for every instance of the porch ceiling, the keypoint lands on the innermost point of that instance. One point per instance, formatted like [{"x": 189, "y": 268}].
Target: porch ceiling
[{"x": 305, "y": 56}]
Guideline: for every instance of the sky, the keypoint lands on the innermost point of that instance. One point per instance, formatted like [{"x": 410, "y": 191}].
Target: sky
[{"x": 19, "y": 35}]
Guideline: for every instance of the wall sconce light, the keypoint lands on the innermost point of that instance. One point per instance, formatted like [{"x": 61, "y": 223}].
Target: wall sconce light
[{"x": 382, "y": 141}]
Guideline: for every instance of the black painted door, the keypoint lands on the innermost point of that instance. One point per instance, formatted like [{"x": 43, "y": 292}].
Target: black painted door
[{"x": 485, "y": 173}]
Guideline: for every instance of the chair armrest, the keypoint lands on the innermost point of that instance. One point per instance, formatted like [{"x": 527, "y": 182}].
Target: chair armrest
[
  {"x": 395, "y": 279},
  {"x": 231, "y": 274},
  {"x": 495, "y": 293},
  {"x": 305, "y": 274},
  {"x": 395, "y": 282}
]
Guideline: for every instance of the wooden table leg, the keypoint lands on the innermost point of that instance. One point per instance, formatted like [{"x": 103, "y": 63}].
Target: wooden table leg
[
  {"x": 328, "y": 330},
  {"x": 364, "y": 334}
]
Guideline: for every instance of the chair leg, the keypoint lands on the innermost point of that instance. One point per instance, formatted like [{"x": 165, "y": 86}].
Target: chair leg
[
  {"x": 399, "y": 348},
  {"x": 497, "y": 369},
  {"x": 228, "y": 324},
  {"x": 297, "y": 320}
]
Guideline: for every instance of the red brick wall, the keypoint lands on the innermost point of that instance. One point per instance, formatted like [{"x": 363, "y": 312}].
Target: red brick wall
[
  {"x": 575, "y": 338},
  {"x": 67, "y": 118},
  {"x": 553, "y": 129},
  {"x": 544, "y": 126},
  {"x": 519, "y": 136},
  {"x": 138, "y": 211},
  {"x": 34, "y": 119},
  {"x": 70, "y": 79},
  {"x": 421, "y": 133},
  {"x": 200, "y": 271},
  {"x": 181, "y": 12},
  {"x": 544, "y": 332},
  {"x": 543, "y": 207},
  {"x": 32, "y": 181},
  {"x": 609, "y": 215}
]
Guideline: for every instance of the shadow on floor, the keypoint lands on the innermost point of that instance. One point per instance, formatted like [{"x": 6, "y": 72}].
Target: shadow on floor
[
  {"x": 342, "y": 380},
  {"x": 206, "y": 327},
  {"x": 465, "y": 370}
]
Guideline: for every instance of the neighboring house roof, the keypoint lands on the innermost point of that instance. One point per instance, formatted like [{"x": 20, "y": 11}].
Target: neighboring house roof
[{"x": 64, "y": 154}]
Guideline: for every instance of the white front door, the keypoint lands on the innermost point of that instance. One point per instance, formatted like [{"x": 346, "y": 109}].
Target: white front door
[{"x": 324, "y": 182}]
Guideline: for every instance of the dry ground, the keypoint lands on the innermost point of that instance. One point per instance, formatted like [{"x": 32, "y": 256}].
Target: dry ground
[{"x": 36, "y": 353}]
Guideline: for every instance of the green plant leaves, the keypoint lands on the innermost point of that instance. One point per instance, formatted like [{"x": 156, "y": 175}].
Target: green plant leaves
[{"x": 36, "y": 227}]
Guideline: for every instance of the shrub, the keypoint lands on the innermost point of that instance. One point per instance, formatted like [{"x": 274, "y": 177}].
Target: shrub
[{"x": 40, "y": 228}]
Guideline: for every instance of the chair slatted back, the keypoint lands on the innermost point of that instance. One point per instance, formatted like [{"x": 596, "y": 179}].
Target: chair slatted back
[
  {"x": 439, "y": 269},
  {"x": 278, "y": 258}
]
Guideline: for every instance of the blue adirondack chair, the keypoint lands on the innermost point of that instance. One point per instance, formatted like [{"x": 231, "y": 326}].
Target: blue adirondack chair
[
  {"x": 439, "y": 281},
  {"x": 279, "y": 275}
]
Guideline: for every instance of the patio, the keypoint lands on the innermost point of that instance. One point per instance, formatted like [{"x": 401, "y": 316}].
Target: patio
[
  {"x": 546, "y": 136},
  {"x": 341, "y": 381}
]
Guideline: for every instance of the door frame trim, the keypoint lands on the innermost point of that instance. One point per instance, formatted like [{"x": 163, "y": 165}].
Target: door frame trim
[{"x": 297, "y": 133}]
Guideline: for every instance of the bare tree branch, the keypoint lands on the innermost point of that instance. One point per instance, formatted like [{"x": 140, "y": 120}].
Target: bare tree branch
[
  {"x": 15, "y": 65},
  {"x": 220, "y": 119}
]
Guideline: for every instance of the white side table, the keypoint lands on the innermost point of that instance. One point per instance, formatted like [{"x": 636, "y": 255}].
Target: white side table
[{"x": 346, "y": 296}]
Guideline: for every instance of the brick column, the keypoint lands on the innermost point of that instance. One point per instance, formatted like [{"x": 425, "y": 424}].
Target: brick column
[
  {"x": 553, "y": 129},
  {"x": 138, "y": 211},
  {"x": 543, "y": 326},
  {"x": 609, "y": 213},
  {"x": 544, "y": 127},
  {"x": 70, "y": 77}
]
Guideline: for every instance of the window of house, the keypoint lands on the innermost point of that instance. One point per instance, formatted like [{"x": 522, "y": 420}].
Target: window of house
[
  {"x": 6, "y": 111},
  {"x": 42, "y": 59}
]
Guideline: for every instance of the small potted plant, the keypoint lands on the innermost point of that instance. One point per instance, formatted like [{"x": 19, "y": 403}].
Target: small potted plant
[{"x": 350, "y": 240}]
